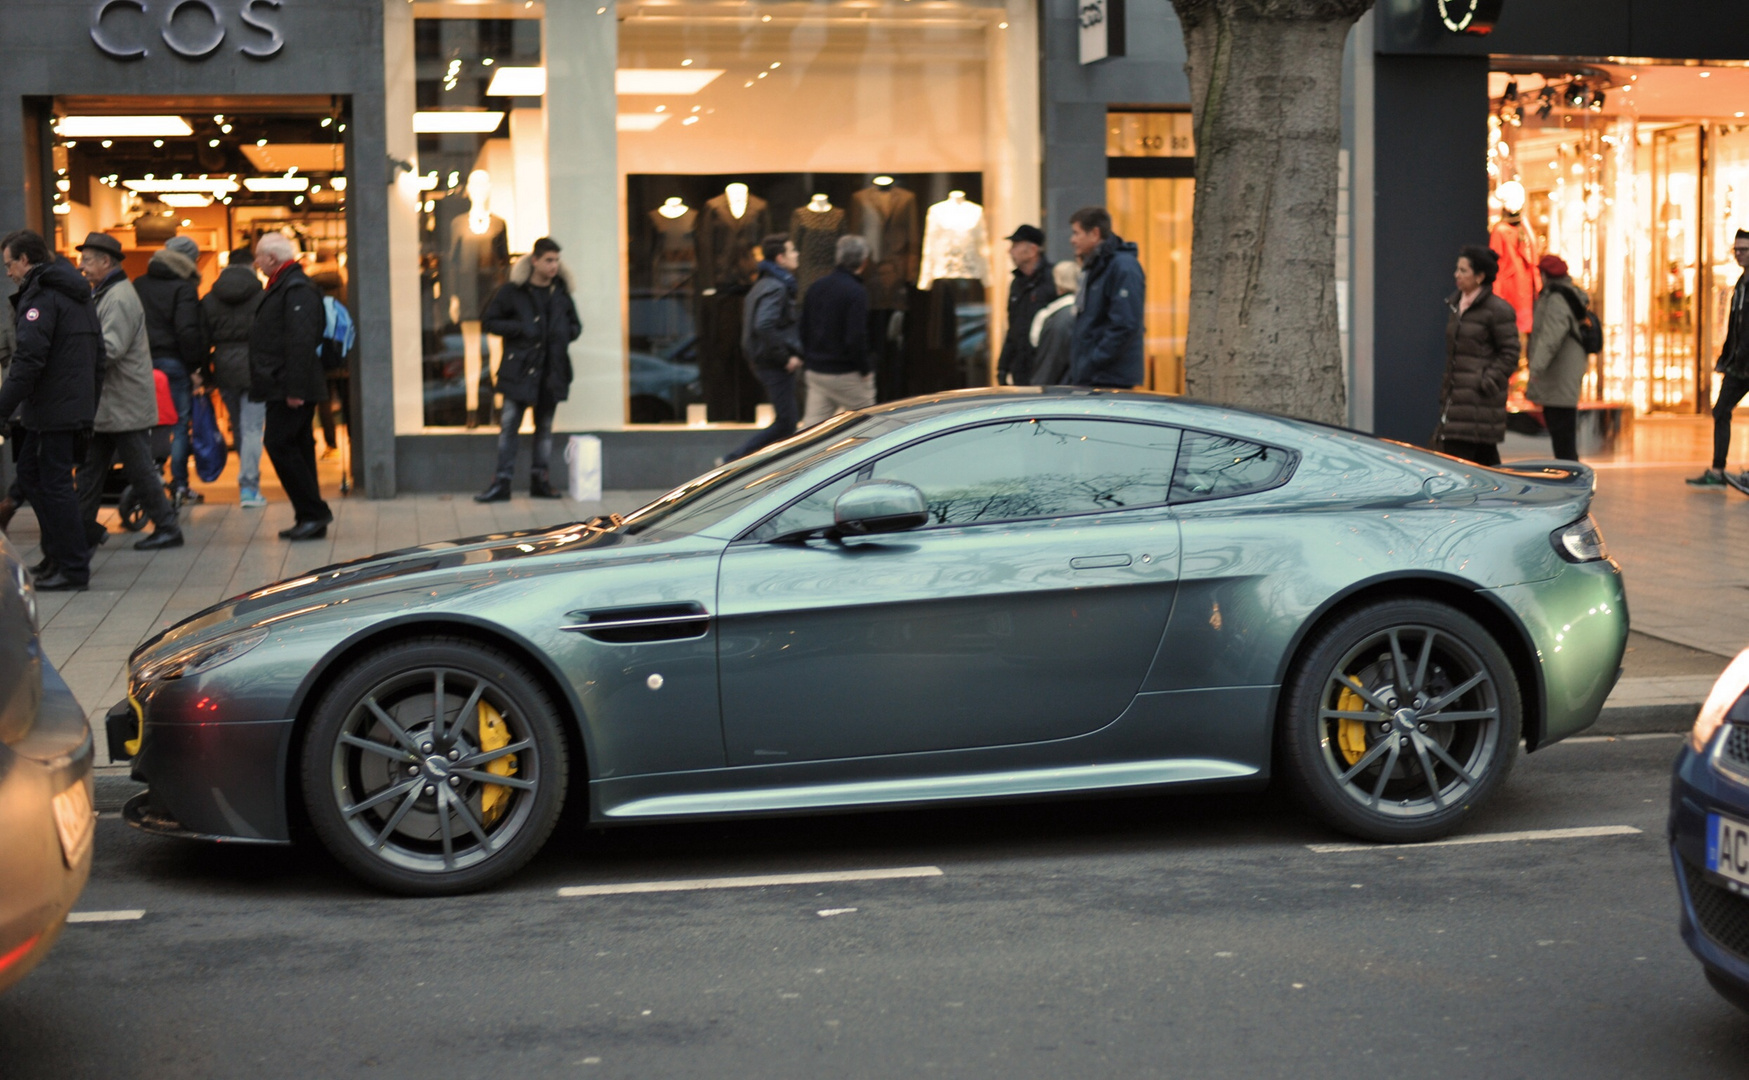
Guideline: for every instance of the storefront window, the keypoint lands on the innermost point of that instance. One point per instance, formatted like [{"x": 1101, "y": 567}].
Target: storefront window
[
  {"x": 1150, "y": 191},
  {"x": 888, "y": 121},
  {"x": 1637, "y": 176}
]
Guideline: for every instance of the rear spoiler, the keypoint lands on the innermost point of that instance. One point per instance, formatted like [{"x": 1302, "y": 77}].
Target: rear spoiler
[{"x": 1553, "y": 472}]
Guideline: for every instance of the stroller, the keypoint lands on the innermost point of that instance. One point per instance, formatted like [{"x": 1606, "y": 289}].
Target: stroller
[{"x": 117, "y": 492}]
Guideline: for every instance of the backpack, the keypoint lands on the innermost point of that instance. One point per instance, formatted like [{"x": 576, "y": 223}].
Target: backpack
[
  {"x": 338, "y": 335},
  {"x": 1588, "y": 328}
]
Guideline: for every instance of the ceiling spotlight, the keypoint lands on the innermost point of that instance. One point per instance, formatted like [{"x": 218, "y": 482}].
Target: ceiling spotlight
[{"x": 158, "y": 143}]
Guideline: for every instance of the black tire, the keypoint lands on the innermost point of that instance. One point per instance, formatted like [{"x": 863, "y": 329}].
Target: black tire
[
  {"x": 131, "y": 509},
  {"x": 1399, "y": 720},
  {"x": 414, "y": 816}
]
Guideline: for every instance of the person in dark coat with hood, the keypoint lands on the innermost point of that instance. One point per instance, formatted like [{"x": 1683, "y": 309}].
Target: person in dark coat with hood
[
  {"x": 1110, "y": 306},
  {"x": 285, "y": 372},
  {"x": 52, "y": 385},
  {"x": 227, "y": 315},
  {"x": 535, "y": 316},
  {"x": 1030, "y": 290},
  {"x": 169, "y": 293},
  {"x": 1481, "y": 353},
  {"x": 770, "y": 341}
]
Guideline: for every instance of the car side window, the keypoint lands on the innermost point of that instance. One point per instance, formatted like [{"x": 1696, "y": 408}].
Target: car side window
[
  {"x": 1011, "y": 471},
  {"x": 1216, "y": 466}
]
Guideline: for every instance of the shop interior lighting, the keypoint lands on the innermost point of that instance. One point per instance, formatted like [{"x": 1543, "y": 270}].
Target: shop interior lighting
[
  {"x": 666, "y": 82},
  {"x": 456, "y": 123},
  {"x": 122, "y": 127},
  {"x": 186, "y": 200},
  {"x": 152, "y": 186},
  {"x": 518, "y": 82},
  {"x": 639, "y": 121},
  {"x": 276, "y": 183}
]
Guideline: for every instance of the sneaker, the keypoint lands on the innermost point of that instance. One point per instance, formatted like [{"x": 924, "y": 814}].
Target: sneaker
[
  {"x": 1712, "y": 478},
  {"x": 251, "y": 499},
  {"x": 1738, "y": 480},
  {"x": 182, "y": 496}
]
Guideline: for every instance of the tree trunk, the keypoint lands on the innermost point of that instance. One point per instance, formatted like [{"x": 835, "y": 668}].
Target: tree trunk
[{"x": 1266, "y": 96}]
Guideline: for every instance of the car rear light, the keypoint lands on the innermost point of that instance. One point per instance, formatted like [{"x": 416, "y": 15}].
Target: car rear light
[
  {"x": 1725, "y": 692},
  {"x": 1582, "y": 541}
]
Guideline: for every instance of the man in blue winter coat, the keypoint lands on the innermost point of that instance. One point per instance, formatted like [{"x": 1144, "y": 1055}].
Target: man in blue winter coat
[{"x": 1109, "y": 327}]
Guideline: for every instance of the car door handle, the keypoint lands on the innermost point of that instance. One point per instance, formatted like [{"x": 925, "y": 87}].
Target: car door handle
[
  {"x": 640, "y": 625},
  {"x": 1098, "y": 562}
]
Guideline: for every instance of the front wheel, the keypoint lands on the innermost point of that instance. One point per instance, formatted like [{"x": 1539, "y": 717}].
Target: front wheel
[
  {"x": 1401, "y": 718},
  {"x": 435, "y": 766}
]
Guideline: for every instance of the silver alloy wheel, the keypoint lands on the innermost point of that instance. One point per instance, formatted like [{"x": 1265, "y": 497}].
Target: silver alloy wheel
[
  {"x": 410, "y": 771},
  {"x": 1427, "y": 726}
]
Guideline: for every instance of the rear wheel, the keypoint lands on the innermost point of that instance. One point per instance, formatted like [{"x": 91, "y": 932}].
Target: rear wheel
[
  {"x": 435, "y": 766},
  {"x": 1401, "y": 718}
]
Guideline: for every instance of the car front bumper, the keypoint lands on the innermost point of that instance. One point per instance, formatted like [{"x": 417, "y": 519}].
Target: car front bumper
[{"x": 1715, "y": 912}]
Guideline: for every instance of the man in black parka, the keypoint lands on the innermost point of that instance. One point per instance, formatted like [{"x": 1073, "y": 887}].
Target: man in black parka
[
  {"x": 285, "y": 371},
  {"x": 535, "y": 316},
  {"x": 52, "y": 384}
]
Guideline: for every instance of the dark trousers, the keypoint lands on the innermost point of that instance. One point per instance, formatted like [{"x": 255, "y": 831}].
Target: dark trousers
[
  {"x": 510, "y": 422},
  {"x": 780, "y": 387},
  {"x": 45, "y": 472},
  {"x": 182, "y": 394},
  {"x": 1563, "y": 425},
  {"x": 1482, "y": 453},
  {"x": 1731, "y": 390},
  {"x": 291, "y": 446},
  {"x": 134, "y": 448}
]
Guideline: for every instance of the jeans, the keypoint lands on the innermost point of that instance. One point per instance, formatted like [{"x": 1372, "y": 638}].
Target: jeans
[
  {"x": 182, "y": 393},
  {"x": 45, "y": 472},
  {"x": 510, "y": 422},
  {"x": 1563, "y": 424},
  {"x": 1731, "y": 390},
  {"x": 780, "y": 387},
  {"x": 1482, "y": 453},
  {"x": 291, "y": 446},
  {"x": 134, "y": 448},
  {"x": 248, "y": 421}
]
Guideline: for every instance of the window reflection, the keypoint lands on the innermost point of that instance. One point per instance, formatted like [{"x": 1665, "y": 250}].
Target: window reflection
[{"x": 1215, "y": 466}]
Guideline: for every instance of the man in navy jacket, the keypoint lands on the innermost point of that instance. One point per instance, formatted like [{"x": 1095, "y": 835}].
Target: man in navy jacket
[
  {"x": 1109, "y": 309},
  {"x": 834, "y": 332}
]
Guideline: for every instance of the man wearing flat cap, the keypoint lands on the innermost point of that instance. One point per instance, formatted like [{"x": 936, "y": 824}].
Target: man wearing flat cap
[
  {"x": 127, "y": 400},
  {"x": 1029, "y": 292}
]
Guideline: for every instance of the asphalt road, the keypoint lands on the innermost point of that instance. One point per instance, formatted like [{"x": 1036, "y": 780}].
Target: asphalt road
[{"x": 1187, "y": 936}]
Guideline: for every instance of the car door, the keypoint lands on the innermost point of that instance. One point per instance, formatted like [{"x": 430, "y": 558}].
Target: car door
[{"x": 1027, "y": 610}]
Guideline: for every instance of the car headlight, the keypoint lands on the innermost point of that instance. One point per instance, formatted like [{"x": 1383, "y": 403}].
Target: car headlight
[
  {"x": 202, "y": 657},
  {"x": 1582, "y": 541},
  {"x": 1725, "y": 693}
]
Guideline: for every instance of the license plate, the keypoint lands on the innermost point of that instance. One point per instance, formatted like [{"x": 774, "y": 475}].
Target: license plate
[{"x": 76, "y": 821}]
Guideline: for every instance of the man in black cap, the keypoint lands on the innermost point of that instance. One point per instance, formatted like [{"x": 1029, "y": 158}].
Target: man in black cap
[{"x": 1030, "y": 291}]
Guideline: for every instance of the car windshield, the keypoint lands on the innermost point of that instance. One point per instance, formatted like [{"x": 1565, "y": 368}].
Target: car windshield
[{"x": 700, "y": 503}]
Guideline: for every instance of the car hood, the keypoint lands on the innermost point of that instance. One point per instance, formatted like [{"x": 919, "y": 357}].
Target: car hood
[{"x": 384, "y": 572}]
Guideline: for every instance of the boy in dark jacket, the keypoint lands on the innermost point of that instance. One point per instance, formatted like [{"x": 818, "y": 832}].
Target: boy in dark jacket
[
  {"x": 770, "y": 341},
  {"x": 170, "y": 296},
  {"x": 285, "y": 372},
  {"x": 227, "y": 315},
  {"x": 52, "y": 384},
  {"x": 535, "y": 316},
  {"x": 1109, "y": 307}
]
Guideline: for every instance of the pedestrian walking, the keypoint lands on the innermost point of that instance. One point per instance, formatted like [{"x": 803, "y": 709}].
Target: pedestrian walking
[
  {"x": 1481, "y": 353},
  {"x": 169, "y": 293},
  {"x": 534, "y": 313},
  {"x": 1110, "y": 305},
  {"x": 1733, "y": 364},
  {"x": 52, "y": 385},
  {"x": 1052, "y": 333},
  {"x": 14, "y": 498},
  {"x": 127, "y": 401},
  {"x": 771, "y": 341},
  {"x": 1557, "y": 356},
  {"x": 285, "y": 373},
  {"x": 227, "y": 315},
  {"x": 834, "y": 333},
  {"x": 1029, "y": 291}
]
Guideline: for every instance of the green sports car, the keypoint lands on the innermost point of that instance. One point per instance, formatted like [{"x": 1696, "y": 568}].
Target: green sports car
[{"x": 983, "y": 594}]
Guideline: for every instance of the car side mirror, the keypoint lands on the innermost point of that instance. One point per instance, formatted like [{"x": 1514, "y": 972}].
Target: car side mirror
[{"x": 879, "y": 506}]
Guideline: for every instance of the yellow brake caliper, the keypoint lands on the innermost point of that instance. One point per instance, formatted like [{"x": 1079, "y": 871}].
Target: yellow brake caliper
[
  {"x": 1350, "y": 734},
  {"x": 494, "y": 735}
]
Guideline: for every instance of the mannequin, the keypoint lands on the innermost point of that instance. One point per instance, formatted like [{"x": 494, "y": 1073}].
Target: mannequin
[
  {"x": 885, "y": 214},
  {"x": 674, "y": 255},
  {"x": 672, "y": 207},
  {"x": 737, "y": 196},
  {"x": 954, "y": 242},
  {"x": 1513, "y": 242},
  {"x": 819, "y": 204},
  {"x": 729, "y": 230},
  {"x": 479, "y": 262},
  {"x": 815, "y": 229}
]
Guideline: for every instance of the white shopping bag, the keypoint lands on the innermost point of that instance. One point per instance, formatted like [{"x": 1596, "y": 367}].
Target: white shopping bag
[{"x": 583, "y": 458}]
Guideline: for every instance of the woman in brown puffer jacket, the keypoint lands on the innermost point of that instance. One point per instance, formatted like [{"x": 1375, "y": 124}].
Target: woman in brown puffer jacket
[{"x": 1481, "y": 353}]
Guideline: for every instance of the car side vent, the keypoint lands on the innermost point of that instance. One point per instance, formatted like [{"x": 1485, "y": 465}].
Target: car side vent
[{"x": 640, "y": 625}]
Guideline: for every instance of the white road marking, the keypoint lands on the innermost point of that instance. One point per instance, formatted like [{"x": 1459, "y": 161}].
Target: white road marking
[
  {"x": 1488, "y": 838},
  {"x": 1624, "y": 738},
  {"x": 827, "y": 913},
  {"x": 106, "y": 916},
  {"x": 752, "y": 882}
]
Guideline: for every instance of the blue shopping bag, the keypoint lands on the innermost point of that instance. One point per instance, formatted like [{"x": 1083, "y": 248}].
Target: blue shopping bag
[{"x": 209, "y": 445}]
